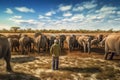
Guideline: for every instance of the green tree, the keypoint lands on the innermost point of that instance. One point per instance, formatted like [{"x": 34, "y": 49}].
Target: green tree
[{"x": 15, "y": 28}]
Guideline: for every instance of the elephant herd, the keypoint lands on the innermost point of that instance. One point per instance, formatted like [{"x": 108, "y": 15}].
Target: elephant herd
[
  {"x": 41, "y": 42},
  {"x": 38, "y": 43}
]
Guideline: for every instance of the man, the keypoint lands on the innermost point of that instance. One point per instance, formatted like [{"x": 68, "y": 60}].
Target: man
[{"x": 55, "y": 50}]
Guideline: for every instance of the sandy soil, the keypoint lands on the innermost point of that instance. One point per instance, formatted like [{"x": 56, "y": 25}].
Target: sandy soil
[{"x": 74, "y": 65}]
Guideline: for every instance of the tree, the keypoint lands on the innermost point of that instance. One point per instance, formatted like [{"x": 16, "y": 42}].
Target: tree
[{"x": 15, "y": 28}]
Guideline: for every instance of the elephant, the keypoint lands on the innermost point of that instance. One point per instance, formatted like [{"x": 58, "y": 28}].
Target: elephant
[
  {"x": 41, "y": 42},
  {"x": 71, "y": 40},
  {"x": 24, "y": 40},
  {"x": 95, "y": 42},
  {"x": 5, "y": 52},
  {"x": 15, "y": 36},
  {"x": 85, "y": 42},
  {"x": 112, "y": 45},
  {"x": 29, "y": 44},
  {"x": 61, "y": 39},
  {"x": 51, "y": 40},
  {"x": 100, "y": 37},
  {"x": 102, "y": 43},
  {"x": 14, "y": 44}
]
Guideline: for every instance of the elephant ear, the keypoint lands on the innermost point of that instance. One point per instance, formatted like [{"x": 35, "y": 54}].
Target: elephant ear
[{"x": 37, "y": 34}]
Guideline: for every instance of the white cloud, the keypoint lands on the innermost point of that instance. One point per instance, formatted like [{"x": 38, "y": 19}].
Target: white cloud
[
  {"x": 17, "y": 17},
  {"x": 25, "y": 9},
  {"x": 9, "y": 11},
  {"x": 50, "y": 13},
  {"x": 65, "y": 8},
  {"x": 89, "y": 5},
  {"x": 107, "y": 8},
  {"x": 43, "y": 17},
  {"x": 118, "y": 12},
  {"x": 78, "y": 8},
  {"x": 85, "y": 5},
  {"x": 19, "y": 20},
  {"x": 67, "y": 14},
  {"x": 77, "y": 17},
  {"x": 4, "y": 26}
]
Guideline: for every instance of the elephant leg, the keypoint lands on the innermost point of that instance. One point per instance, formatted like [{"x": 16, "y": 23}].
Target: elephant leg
[
  {"x": 7, "y": 59},
  {"x": 111, "y": 56},
  {"x": 30, "y": 48},
  {"x": 84, "y": 45},
  {"x": 15, "y": 49},
  {"x": 70, "y": 48},
  {"x": 117, "y": 49},
  {"x": 106, "y": 55},
  {"x": 106, "y": 51},
  {"x": 38, "y": 49},
  {"x": 89, "y": 48},
  {"x": 12, "y": 48},
  {"x": 22, "y": 50}
]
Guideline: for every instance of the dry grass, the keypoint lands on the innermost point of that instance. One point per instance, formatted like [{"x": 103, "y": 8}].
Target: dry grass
[{"x": 71, "y": 67}]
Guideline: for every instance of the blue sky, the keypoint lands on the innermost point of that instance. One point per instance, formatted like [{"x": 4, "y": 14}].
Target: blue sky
[{"x": 60, "y": 14}]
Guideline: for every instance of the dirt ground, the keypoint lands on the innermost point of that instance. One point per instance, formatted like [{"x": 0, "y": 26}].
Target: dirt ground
[{"x": 74, "y": 65}]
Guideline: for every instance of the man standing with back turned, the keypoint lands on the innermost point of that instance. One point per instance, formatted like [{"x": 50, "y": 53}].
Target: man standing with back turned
[{"x": 55, "y": 50}]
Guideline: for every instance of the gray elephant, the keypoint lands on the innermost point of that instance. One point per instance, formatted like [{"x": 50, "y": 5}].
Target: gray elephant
[
  {"x": 71, "y": 40},
  {"x": 51, "y": 39},
  {"x": 14, "y": 36},
  {"x": 100, "y": 37},
  {"x": 61, "y": 39},
  {"x": 102, "y": 43},
  {"x": 24, "y": 43},
  {"x": 112, "y": 45},
  {"x": 85, "y": 42},
  {"x": 5, "y": 51},
  {"x": 14, "y": 44},
  {"x": 95, "y": 42},
  {"x": 30, "y": 44},
  {"x": 41, "y": 42}
]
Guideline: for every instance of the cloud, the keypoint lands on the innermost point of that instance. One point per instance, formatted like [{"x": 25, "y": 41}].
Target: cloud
[
  {"x": 106, "y": 12},
  {"x": 77, "y": 17},
  {"x": 4, "y": 26},
  {"x": 118, "y": 12},
  {"x": 89, "y": 5},
  {"x": 107, "y": 8},
  {"x": 85, "y": 5},
  {"x": 19, "y": 20},
  {"x": 50, "y": 13},
  {"x": 27, "y": 23},
  {"x": 24, "y": 9},
  {"x": 67, "y": 14},
  {"x": 78, "y": 8},
  {"x": 65, "y": 7},
  {"x": 43, "y": 17},
  {"x": 17, "y": 17},
  {"x": 9, "y": 11}
]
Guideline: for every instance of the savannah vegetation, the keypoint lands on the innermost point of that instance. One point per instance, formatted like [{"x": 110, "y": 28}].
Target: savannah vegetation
[{"x": 17, "y": 29}]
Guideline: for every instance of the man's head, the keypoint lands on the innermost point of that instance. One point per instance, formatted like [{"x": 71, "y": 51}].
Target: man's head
[{"x": 56, "y": 41}]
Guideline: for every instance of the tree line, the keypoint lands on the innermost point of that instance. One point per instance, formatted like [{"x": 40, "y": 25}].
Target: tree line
[{"x": 29, "y": 30}]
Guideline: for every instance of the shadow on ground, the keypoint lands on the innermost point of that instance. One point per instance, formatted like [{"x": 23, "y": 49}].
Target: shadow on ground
[
  {"x": 82, "y": 70},
  {"x": 98, "y": 50},
  {"x": 17, "y": 76},
  {"x": 23, "y": 59}
]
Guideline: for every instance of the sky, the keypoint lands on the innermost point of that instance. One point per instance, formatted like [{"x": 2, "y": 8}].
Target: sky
[{"x": 60, "y": 14}]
